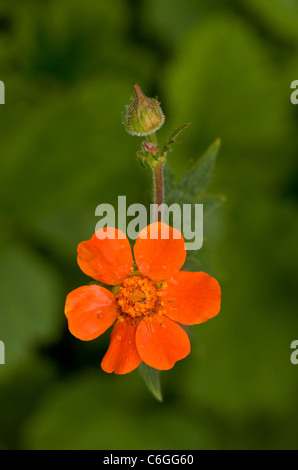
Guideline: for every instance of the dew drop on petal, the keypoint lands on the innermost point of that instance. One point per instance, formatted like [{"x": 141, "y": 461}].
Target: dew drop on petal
[{"x": 118, "y": 338}]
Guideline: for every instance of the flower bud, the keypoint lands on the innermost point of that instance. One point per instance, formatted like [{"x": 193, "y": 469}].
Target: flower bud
[
  {"x": 149, "y": 147},
  {"x": 144, "y": 115}
]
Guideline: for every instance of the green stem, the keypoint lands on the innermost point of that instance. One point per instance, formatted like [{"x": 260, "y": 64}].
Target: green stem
[
  {"x": 158, "y": 187},
  {"x": 157, "y": 168}
]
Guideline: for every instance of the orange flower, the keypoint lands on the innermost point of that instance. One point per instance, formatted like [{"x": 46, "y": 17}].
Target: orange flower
[{"x": 148, "y": 302}]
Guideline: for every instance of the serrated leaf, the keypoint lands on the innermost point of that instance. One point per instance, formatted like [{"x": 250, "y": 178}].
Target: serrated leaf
[
  {"x": 195, "y": 179},
  {"x": 211, "y": 202},
  {"x": 151, "y": 379}
]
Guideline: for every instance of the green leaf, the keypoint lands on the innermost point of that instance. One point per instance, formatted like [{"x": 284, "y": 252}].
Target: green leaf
[
  {"x": 211, "y": 202},
  {"x": 195, "y": 179},
  {"x": 151, "y": 379}
]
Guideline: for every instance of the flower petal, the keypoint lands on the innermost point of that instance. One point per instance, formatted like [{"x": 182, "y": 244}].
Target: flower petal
[
  {"x": 90, "y": 311},
  {"x": 191, "y": 298},
  {"x": 122, "y": 356},
  {"x": 161, "y": 342},
  {"x": 107, "y": 256},
  {"x": 159, "y": 251}
]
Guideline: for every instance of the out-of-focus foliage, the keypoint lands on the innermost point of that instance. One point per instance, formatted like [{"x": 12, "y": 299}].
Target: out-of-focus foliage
[{"x": 69, "y": 68}]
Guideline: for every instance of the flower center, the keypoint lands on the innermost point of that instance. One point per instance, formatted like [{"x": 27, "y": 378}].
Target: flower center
[{"x": 138, "y": 296}]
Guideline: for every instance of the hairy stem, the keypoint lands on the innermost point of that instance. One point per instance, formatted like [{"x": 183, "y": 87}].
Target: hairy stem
[
  {"x": 158, "y": 189},
  {"x": 158, "y": 180}
]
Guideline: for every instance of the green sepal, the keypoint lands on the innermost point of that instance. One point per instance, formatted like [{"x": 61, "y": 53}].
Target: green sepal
[
  {"x": 151, "y": 379},
  {"x": 173, "y": 139}
]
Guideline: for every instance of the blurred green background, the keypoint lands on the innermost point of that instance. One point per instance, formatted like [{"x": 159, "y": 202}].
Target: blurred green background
[{"x": 69, "y": 68}]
